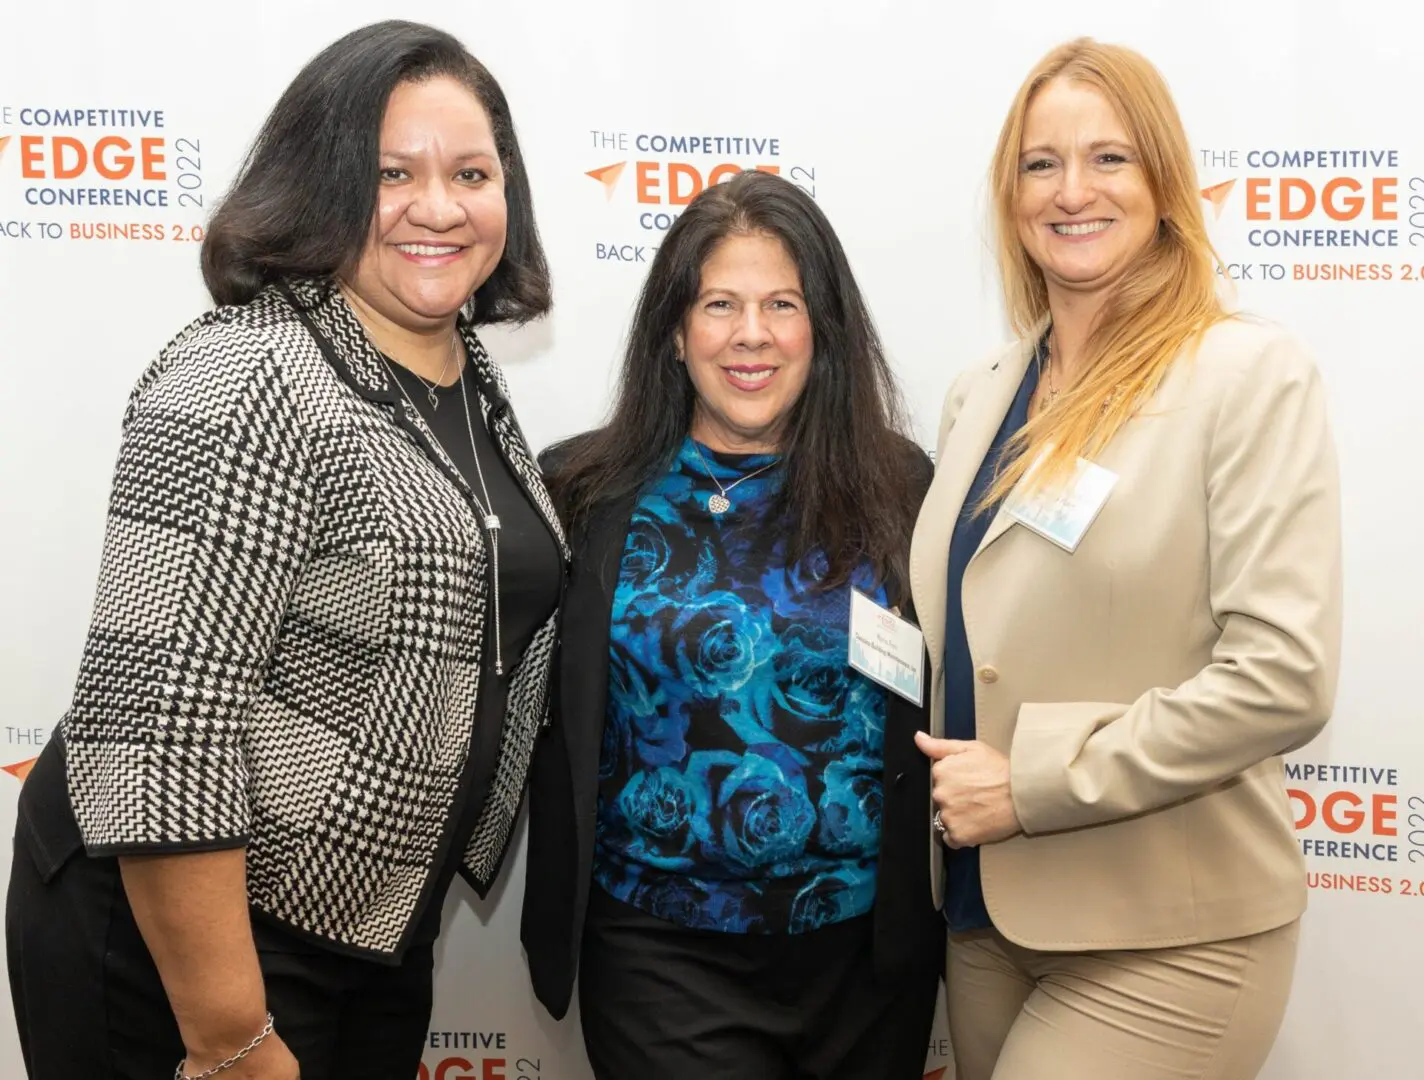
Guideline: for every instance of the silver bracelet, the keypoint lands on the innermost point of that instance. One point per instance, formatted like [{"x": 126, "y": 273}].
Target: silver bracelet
[{"x": 223, "y": 1066}]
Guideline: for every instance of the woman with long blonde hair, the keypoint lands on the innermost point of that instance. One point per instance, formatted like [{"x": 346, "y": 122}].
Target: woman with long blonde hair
[{"x": 1128, "y": 574}]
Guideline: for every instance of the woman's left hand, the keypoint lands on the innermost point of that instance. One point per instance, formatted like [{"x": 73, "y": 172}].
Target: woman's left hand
[{"x": 971, "y": 790}]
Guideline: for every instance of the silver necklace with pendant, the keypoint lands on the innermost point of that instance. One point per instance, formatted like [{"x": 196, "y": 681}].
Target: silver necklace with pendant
[
  {"x": 432, "y": 387},
  {"x": 719, "y": 504}
]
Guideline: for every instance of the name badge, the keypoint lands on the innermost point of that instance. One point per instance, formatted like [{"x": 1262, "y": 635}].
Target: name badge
[
  {"x": 1063, "y": 513},
  {"x": 886, "y": 648}
]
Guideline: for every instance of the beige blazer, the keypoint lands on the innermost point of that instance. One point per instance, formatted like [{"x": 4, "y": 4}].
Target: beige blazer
[{"x": 1145, "y": 686}]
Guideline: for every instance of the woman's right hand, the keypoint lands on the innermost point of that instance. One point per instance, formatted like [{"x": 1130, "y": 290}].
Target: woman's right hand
[{"x": 272, "y": 1060}]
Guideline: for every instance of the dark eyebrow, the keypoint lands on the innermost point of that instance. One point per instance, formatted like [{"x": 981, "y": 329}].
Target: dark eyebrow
[
  {"x": 469, "y": 155},
  {"x": 705, "y": 293}
]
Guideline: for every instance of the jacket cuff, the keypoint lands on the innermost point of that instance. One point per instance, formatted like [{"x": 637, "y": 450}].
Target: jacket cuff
[{"x": 132, "y": 799}]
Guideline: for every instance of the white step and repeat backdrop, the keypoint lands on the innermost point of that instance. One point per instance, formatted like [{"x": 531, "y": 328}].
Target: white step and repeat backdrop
[{"x": 1305, "y": 116}]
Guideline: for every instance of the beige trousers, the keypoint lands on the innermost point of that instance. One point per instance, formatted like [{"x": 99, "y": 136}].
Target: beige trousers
[{"x": 1196, "y": 1012}]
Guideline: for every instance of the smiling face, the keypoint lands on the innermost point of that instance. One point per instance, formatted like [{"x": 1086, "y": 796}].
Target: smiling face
[
  {"x": 747, "y": 343},
  {"x": 440, "y": 221},
  {"x": 1084, "y": 210}
]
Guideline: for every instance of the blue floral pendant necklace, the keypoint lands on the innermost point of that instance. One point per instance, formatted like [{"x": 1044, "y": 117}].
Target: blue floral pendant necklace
[{"x": 719, "y": 504}]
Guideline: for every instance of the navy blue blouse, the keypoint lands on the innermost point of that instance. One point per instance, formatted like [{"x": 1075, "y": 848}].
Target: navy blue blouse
[{"x": 964, "y": 893}]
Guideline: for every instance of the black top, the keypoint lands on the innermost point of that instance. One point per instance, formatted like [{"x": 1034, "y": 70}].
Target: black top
[{"x": 530, "y": 569}]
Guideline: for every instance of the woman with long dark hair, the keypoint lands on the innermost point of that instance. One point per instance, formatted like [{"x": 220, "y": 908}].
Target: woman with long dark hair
[
  {"x": 325, "y": 618},
  {"x": 727, "y": 839}
]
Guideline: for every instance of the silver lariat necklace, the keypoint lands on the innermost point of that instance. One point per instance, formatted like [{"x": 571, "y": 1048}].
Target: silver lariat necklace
[
  {"x": 719, "y": 504},
  {"x": 489, "y": 520}
]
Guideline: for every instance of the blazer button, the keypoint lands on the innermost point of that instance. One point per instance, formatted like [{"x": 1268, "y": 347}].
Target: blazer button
[
  {"x": 988, "y": 674},
  {"x": 899, "y": 779}
]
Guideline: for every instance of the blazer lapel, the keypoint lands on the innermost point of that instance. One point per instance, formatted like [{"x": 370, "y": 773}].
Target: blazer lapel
[
  {"x": 347, "y": 348},
  {"x": 355, "y": 359},
  {"x": 1001, "y": 524},
  {"x": 1004, "y": 521},
  {"x": 956, "y": 465}
]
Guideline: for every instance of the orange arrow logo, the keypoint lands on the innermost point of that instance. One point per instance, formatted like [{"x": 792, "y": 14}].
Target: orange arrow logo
[
  {"x": 20, "y": 769},
  {"x": 4, "y": 142},
  {"x": 1216, "y": 195},
  {"x": 608, "y": 176},
  {"x": 938, "y": 1074}
]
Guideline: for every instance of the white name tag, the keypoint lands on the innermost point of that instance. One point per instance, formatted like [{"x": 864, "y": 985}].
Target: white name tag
[
  {"x": 886, "y": 648},
  {"x": 1062, "y": 513}
]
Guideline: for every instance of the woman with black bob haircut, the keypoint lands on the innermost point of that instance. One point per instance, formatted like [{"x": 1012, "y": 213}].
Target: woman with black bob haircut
[
  {"x": 324, "y": 627},
  {"x": 727, "y": 836}
]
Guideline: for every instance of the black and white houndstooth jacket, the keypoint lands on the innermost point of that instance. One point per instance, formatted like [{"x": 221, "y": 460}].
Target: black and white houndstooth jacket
[{"x": 286, "y": 640}]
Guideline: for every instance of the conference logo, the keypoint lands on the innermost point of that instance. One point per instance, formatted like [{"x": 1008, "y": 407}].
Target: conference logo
[
  {"x": 638, "y": 182},
  {"x": 24, "y": 743},
  {"x": 1315, "y": 214},
  {"x": 20, "y": 769},
  {"x": 477, "y": 1055},
  {"x": 939, "y": 1050},
  {"x": 484, "y": 1055},
  {"x": 1360, "y": 828},
  {"x": 94, "y": 172}
]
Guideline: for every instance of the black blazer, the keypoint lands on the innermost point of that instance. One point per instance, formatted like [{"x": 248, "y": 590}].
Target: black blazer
[{"x": 563, "y": 787}]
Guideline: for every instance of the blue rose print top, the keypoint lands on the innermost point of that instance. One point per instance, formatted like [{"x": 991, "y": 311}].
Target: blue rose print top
[{"x": 739, "y": 784}]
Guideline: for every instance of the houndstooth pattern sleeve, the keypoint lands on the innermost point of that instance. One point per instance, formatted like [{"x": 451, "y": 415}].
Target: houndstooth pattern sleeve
[{"x": 210, "y": 518}]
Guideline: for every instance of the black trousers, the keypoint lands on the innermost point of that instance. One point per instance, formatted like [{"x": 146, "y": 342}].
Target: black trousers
[
  {"x": 89, "y": 1004},
  {"x": 659, "y": 1000}
]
